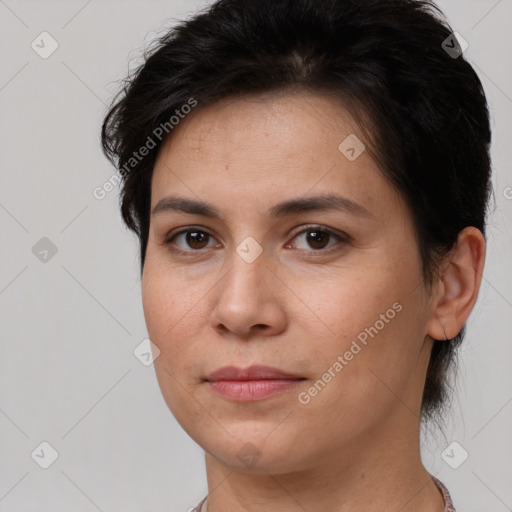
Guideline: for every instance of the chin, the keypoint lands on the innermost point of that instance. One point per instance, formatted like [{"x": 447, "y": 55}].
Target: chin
[{"x": 252, "y": 452}]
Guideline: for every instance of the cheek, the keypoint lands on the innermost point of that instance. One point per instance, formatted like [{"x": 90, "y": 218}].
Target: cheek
[
  {"x": 168, "y": 316},
  {"x": 173, "y": 307},
  {"x": 166, "y": 296},
  {"x": 349, "y": 300},
  {"x": 159, "y": 307},
  {"x": 374, "y": 321},
  {"x": 162, "y": 313}
]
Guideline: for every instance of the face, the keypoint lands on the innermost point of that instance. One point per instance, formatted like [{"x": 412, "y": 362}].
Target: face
[{"x": 330, "y": 292}]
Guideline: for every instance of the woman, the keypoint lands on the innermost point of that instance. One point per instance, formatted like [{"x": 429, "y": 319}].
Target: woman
[{"x": 309, "y": 184}]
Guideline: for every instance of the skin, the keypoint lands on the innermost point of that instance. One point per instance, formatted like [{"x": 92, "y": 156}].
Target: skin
[{"x": 355, "y": 445}]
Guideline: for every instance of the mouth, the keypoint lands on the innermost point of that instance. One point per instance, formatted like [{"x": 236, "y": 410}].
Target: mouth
[{"x": 251, "y": 384}]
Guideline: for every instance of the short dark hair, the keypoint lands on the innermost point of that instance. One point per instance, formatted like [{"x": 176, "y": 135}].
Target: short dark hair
[{"x": 420, "y": 106}]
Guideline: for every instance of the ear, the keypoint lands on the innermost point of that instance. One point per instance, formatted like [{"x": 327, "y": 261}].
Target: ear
[{"x": 457, "y": 290}]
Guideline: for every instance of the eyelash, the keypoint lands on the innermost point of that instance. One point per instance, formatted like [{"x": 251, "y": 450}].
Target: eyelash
[{"x": 322, "y": 229}]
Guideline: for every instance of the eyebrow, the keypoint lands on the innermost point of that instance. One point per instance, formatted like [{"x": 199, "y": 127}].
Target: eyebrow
[{"x": 303, "y": 204}]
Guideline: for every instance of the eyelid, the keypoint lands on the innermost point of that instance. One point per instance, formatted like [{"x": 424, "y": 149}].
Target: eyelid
[{"x": 320, "y": 227}]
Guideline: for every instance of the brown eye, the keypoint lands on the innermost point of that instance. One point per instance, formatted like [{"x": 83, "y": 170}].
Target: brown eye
[
  {"x": 318, "y": 238},
  {"x": 191, "y": 240},
  {"x": 196, "y": 239}
]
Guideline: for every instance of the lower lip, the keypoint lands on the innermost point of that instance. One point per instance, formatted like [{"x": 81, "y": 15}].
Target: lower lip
[{"x": 251, "y": 390}]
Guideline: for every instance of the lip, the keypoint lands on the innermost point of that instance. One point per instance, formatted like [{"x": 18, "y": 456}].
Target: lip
[
  {"x": 251, "y": 384},
  {"x": 255, "y": 372}
]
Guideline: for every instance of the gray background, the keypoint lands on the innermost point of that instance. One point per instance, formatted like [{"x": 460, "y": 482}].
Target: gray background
[{"x": 69, "y": 325}]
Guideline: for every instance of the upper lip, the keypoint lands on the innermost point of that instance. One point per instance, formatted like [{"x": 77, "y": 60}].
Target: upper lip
[{"x": 256, "y": 372}]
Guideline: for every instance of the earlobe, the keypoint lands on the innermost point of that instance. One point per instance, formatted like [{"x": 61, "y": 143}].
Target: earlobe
[{"x": 459, "y": 285}]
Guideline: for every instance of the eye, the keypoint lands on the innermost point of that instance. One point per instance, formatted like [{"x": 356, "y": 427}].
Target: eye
[
  {"x": 195, "y": 239},
  {"x": 318, "y": 237}
]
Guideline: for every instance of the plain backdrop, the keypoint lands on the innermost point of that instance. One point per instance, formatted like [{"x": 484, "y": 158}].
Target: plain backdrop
[{"x": 70, "y": 305}]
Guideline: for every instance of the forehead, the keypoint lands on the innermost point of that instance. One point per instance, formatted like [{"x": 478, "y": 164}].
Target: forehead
[
  {"x": 276, "y": 121},
  {"x": 257, "y": 148}
]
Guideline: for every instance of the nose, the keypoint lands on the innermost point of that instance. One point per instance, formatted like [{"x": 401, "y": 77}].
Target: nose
[{"x": 250, "y": 300}]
